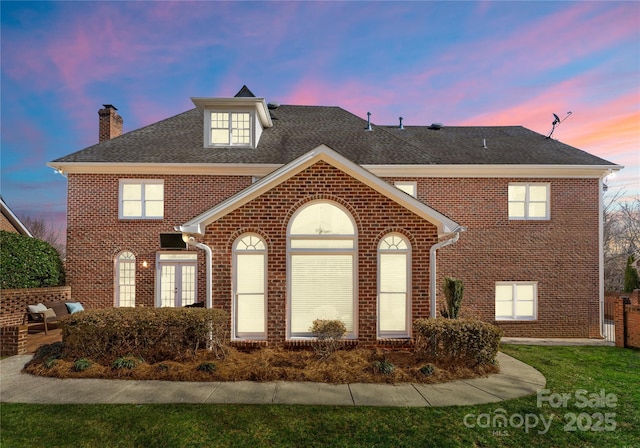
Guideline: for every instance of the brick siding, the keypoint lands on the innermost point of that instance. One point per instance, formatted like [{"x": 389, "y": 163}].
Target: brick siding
[{"x": 561, "y": 254}]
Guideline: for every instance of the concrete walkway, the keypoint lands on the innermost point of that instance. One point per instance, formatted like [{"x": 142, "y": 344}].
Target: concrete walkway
[
  {"x": 558, "y": 341},
  {"x": 516, "y": 379}
]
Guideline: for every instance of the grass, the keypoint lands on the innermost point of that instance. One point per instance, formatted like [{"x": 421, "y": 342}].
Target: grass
[{"x": 567, "y": 370}]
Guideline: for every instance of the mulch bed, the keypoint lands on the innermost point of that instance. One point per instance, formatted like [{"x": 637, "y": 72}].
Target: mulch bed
[{"x": 355, "y": 365}]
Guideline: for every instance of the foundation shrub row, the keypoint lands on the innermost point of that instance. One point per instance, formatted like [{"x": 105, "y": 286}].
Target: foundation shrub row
[
  {"x": 152, "y": 334},
  {"x": 462, "y": 342}
]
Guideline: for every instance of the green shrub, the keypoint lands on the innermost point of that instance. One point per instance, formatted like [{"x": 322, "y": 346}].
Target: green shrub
[
  {"x": 328, "y": 333},
  {"x": 154, "y": 334},
  {"x": 51, "y": 361},
  {"x": 384, "y": 367},
  {"x": 453, "y": 289},
  {"x": 208, "y": 367},
  {"x": 463, "y": 342},
  {"x": 427, "y": 370},
  {"x": 126, "y": 362},
  {"x": 28, "y": 262},
  {"x": 80, "y": 365},
  {"x": 631, "y": 278}
]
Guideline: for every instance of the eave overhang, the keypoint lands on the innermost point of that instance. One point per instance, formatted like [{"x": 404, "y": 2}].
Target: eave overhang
[{"x": 262, "y": 169}]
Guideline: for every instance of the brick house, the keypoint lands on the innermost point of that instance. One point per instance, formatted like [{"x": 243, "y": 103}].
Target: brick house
[{"x": 292, "y": 213}]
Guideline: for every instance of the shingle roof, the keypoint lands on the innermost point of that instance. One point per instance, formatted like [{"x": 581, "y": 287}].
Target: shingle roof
[{"x": 298, "y": 129}]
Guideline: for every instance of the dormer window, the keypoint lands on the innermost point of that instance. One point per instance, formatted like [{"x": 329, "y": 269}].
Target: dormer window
[
  {"x": 234, "y": 122},
  {"x": 230, "y": 128}
]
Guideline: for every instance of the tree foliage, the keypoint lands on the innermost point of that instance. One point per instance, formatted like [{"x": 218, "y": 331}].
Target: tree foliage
[
  {"x": 28, "y": 262},
  {"x": 621, "y": 238},
  {"x": 631, "y": 279},
  {"x": 47, "y": 231}
]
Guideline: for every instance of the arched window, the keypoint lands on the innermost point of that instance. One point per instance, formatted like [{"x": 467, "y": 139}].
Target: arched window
[
  {"x": 394, "y": 268},
  {"x": 321, "y": 267},
  {"x": 125, "y": 294},
  {"x": 249, "y": 291}
]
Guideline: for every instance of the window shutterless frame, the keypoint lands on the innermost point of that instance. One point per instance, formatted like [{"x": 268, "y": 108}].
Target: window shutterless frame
[
  {"x": 529, "y": 201},
  {"x": 141, "y": 199},
  {"x": 394, "y": 286},
  {"x": 229, "y": 127},
  {"x": 516, "y": 301},
  {"x": 321, "y": 268},
  {"x": 249, "y": 302}
]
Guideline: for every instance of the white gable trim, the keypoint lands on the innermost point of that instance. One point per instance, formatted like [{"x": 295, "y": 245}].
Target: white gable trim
[
  {"x": 13, "y": 219},
  {"x": 328, "y": 155}
]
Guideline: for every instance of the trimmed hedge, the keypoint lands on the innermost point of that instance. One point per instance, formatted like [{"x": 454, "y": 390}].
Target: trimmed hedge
[
  {"x": 153, "y": 334},
  {"x": 28, "y": 262},
  {"x": 464, "y": 342}
]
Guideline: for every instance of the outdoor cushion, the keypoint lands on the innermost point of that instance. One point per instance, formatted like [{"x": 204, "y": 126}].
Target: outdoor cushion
[
  {"x": 60, "y": 307},
  {"x": 49, "y": 313},
  {"x": 74, "y": 307},
  {"x": 39, "y": 308}
]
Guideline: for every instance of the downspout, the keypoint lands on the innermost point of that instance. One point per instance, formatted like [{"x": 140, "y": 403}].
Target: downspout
[
  {"x": 432, "y": 268},
  {"x": 192, "y": 242},
  {"x": 601, "y": 250}
]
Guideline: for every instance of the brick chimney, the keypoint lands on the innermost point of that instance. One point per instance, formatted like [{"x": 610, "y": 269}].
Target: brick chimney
[{"x": 110, "y": 123}]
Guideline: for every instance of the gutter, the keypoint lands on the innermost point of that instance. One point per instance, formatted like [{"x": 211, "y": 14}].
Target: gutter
[{"x": 432, "y": 268}]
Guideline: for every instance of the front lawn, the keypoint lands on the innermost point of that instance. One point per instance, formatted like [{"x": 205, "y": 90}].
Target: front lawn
[{"x": 575, "y": 371}]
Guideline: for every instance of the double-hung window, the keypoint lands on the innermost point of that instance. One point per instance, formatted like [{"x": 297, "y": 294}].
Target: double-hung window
[
  {"x": 230, "y": 128},
  {"x": 141, "y": 199},
  {"x": 529, "y": 201},
  {"x": 516, "y": 300}
]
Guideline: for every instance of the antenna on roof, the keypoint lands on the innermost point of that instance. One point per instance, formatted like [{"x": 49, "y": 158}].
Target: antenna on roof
[
  {"x": 556, "y": 122},
  {"x": 369, "y": 121}
]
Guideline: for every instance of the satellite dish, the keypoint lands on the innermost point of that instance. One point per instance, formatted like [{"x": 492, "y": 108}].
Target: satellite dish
[{"x": 556, "y": 122}]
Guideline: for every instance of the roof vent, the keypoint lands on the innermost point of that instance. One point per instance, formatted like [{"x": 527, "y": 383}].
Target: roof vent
[
  {"x": 436, "y": 126},
  {"x": 369, "y": 121},
  {"x": 400, "y": 126},
  {"x": 273, "y": 105}
]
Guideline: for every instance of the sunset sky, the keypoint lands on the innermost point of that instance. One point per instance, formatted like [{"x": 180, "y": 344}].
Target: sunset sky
[{"x": 458, "y": 63}]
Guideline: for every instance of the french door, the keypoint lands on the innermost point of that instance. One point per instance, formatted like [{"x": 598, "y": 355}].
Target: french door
[{"x": 177, "y": 275}]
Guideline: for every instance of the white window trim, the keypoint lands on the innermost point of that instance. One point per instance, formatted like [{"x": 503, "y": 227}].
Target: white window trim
[
  {"x": 526, "y": 217},
  {"x": 207, "y": 128},
  {"x": 116, "y": 288},
  {"x": 331, "y": 251},
  {"x": 234, "y": 298},
  {"x": 401, "y": 185},
  {"x": 407, "y": 332},
  {"x": 142, "y": 182},
  {"x": 514, "y": 300}
]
